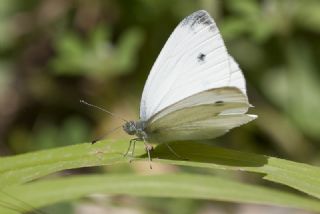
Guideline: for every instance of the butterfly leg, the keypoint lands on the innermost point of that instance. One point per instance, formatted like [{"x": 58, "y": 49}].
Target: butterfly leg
[
  {"x": 134, "y": 145},
  {"x": 133, "y": 149},
  {"x": 172, "y": 151},
  {"x": 148, "y": 148}
]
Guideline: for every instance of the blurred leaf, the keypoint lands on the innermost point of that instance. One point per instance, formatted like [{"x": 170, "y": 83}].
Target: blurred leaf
[
  {"x": 5, "y": 77},
  {"x": 46, "y": 134},
  {"x": 304, "y": 89},
  {"x": 233, "y": 27},
  {"x": 259, "y": 21},
  {"x": 246, "y": 7},
  {"x": 97, "y": 56},
  {"x": 43, "y": 193},
  {"x": 289, "y": 140},
  {"x": 247, "y": 18},
  {"x": 279, "y": 92},
  {"x": 20, "y": 140},
  {"x": 295, "y": 88},
  {"x": 308, "y": 14},
  {"x": 6, "y": 30},
  {"x": 5, "y": 38},
  {"x": 126, "y": 52},
  {"x": 74, "y": 130}
]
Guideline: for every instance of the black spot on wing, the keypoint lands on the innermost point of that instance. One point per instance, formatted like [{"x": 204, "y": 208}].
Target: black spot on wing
[
  {"x": 200, "y": 17},
  {"x": 201, "y": 57},
  {"x": 219, "y": 102}
]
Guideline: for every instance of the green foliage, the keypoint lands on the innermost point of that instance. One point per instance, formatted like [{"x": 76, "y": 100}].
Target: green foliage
[
  {"x": 16, "y": 171},
  {"x": 174, "y": 186},
  {"x": 97, "y": 56},
  {"x": 296, "y": 88},
  {"x": 54, "y": 53}
]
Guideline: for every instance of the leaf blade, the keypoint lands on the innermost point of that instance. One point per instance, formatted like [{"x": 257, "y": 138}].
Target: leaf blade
[
  {"x": 23, "y": 168},
  {"x": 41, "y": 193}
]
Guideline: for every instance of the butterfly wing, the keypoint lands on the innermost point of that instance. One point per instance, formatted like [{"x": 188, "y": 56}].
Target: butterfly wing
[
  {"x": 194, "y": 59},
  {"x": 205, "y": 115}
]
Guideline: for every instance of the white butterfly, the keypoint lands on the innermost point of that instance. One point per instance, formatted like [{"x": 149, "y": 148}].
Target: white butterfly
[{"x": 195, "y": 89}]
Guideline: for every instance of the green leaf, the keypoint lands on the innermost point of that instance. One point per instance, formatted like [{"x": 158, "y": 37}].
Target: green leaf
[
  {"x": 97, "y": 55},
  {"x": 27, "y": 167},
  {"x": 303, "y": 177},
  {"x": 43, "y": 193}
]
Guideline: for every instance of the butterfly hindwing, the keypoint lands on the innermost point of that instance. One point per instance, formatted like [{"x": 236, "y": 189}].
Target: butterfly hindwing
[
  {"x": 220, "y": 98},
  {"x": 203, "y": 129},
  {"x": 200, "y": 116}
]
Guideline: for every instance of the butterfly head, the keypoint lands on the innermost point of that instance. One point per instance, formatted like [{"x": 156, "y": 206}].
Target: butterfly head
[
  {"x": 135, "y": 128},
  {"x": 130, "y": 127}
]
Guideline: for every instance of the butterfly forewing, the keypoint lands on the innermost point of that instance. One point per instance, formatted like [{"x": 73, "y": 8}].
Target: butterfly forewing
[{"x": 193, "y": 59}]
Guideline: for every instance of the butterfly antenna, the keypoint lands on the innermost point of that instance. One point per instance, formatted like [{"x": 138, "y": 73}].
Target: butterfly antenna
[
  {"x": 102, "y": 109},
  {"x": 105, "y": 135}
]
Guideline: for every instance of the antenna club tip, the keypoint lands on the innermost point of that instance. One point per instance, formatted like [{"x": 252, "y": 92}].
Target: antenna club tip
[{"x": 83, "y": 102}]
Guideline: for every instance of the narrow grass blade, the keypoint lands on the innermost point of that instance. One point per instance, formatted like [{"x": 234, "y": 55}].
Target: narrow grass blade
[
  {"x": 23, "y": 168},
  {"x": 42, "y": 193}
]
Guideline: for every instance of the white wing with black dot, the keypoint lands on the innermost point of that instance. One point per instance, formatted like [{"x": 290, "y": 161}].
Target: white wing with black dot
[
  {"x": 194, "y": 64},
  {"x": 204, "y": 115},
  {"x": 194, "y": 59}
]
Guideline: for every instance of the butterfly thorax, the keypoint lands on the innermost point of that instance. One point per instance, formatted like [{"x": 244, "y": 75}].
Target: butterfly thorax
[{"x": 136, "y": 128}]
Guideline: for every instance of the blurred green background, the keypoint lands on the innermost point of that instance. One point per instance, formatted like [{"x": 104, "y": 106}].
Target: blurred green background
[{"x": 55, "y": 52}]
